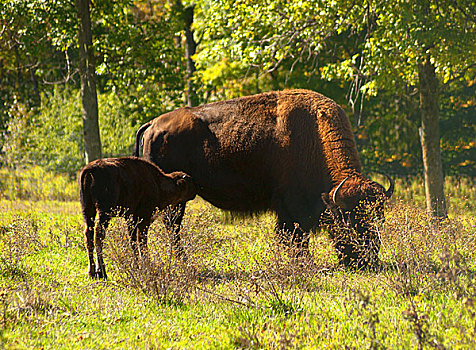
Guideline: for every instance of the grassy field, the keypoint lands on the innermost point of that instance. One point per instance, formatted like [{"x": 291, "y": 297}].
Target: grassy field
[{"x": 238, "y": 288}]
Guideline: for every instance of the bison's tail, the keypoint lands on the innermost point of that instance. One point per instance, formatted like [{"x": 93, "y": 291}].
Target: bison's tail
[
  {"x": 139, "y": 138},
  {"x": 88, "y": 208}
]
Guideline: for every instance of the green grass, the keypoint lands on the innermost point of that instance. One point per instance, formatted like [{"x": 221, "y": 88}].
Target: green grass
[{"x": 238, "y": 289}]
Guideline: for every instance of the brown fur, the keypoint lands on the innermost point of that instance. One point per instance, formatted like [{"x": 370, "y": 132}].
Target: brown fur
[
  {"x": 126, "y": 186},
  {"x": 274, "y": 151}
]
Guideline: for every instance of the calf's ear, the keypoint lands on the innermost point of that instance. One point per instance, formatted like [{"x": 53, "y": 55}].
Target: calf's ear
[
  {"x": 181, "y": 184},
  {"x": 184, "y": 183}
]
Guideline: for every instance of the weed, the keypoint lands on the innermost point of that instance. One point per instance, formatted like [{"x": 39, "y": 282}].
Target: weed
[
  {"x": 420, "y": 326},
  {"x": 19, "y": 239},
  {"x": 248, "y": 338},
  {"x": 158, "y": 274},
  {"x": 417, "y": 253}
]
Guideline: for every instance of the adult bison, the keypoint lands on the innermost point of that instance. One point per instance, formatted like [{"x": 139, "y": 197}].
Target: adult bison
[{"x": 291, "y": 152}]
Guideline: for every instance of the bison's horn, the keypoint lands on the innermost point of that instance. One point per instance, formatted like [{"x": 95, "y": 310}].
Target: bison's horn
[
  {"x": 391, "y": 188},
  {"x": 337, "y": 190}
]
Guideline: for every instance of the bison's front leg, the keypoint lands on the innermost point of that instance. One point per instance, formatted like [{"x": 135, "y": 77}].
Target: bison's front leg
[
  {"x": 293, "y": 237},
  {"x": 172, "y": 219},
  {"x": 295, "y": 219},
  {"x": 142, "y": 229},
  {"x": 138, "y": 228},
  {"x": 99, "y": 234}
]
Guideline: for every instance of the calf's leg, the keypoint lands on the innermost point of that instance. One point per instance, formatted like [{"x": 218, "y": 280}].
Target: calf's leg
[
  {"x": 89, "y": 213},
  {"x": 89, "y": 240},
  {"x": 99, "y": 234}
]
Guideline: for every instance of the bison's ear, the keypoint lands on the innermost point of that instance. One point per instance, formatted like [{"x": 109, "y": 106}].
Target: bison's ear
[
  {"x": 334, "y": 208},
  {"x": 327, "y": 200}
]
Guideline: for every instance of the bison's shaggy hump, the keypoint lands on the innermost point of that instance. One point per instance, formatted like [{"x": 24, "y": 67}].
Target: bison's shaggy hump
[
  {"x": 297, "y": 119},
  {"x": 332, "y": 136}
]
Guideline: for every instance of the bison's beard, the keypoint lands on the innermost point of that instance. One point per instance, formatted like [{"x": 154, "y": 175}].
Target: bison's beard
[{"x": 357, "y": 244}]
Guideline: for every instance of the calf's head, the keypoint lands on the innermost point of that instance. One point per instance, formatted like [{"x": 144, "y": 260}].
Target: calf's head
[
  {"x": 355, "y": 209},
  {"x": 180, "y": 188}
]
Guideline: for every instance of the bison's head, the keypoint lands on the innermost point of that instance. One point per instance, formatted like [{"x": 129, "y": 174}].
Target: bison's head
[{"x": 355, "y": 209}]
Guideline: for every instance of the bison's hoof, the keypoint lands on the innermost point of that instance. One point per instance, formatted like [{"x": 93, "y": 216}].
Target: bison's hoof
[{"x": 361, "y": 264}]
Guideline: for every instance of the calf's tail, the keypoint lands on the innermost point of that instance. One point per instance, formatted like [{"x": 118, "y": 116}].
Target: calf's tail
[
  {"x": 88, "y": 208},
  {"x": 139, "y": 134}
]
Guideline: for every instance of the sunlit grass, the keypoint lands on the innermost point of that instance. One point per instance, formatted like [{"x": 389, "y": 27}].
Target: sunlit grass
[{"x": 238, "y": 289}]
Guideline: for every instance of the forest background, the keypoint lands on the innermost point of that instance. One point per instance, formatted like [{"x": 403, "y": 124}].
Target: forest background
[{"x": 154, "y": 56}]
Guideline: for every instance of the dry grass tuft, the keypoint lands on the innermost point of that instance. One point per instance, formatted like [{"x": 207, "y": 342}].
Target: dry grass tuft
[{"x": 420, "y": 255}]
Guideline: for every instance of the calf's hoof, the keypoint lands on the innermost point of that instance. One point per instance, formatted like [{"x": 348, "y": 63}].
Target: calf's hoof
[{"x": 101, "y": 274}]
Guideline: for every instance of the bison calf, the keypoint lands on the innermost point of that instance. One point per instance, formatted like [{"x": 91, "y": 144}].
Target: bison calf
[{"x": 133, "y": 187}]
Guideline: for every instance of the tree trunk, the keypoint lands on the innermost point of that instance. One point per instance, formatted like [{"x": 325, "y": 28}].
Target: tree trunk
[
  {"x": 430, "y": 140},
  {"x": 92, "y": 141},
  {"x": 190, "y": 49},
  {"x": 36, "y": 90}
]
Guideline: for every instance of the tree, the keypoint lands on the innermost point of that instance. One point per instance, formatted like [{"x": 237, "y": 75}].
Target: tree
[
  {"x": 137, "y": 54},
  {"x": 430, "y": 139},
  {"x": 187, "y": 17},
  {"x": 87, "y": 71},
  {"x": 427, "y": 44},
  {"x": 32, "y": 37}
]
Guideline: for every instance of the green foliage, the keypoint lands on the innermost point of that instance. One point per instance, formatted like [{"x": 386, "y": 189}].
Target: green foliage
[
  {"x": 364, "y": 55},
  {"x": 458, "y": 129},
  {"x": 52, "y": 137},
  {"x": 34, "y": 43},
  {"x": 35, "y": 184},
  {"x": 137, "y": 54}
]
